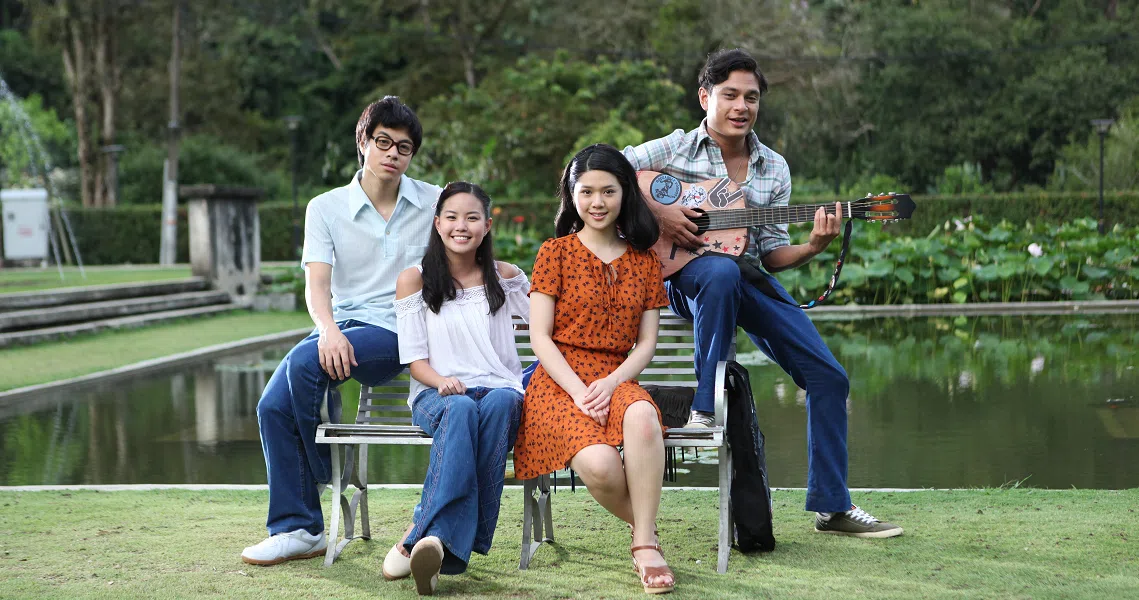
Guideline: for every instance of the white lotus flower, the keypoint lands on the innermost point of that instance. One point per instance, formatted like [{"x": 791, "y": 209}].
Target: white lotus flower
[{"x": 1035, "y": 249}]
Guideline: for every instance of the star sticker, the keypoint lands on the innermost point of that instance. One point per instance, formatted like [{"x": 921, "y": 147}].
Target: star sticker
[{"x": 718, "y": 244}]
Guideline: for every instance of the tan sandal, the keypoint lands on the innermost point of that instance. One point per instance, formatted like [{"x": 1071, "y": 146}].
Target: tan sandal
[{"x": 647, "y": 573}]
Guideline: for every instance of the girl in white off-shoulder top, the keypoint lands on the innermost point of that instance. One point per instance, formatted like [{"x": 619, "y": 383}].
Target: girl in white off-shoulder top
[{"x": 453, "y": 317}]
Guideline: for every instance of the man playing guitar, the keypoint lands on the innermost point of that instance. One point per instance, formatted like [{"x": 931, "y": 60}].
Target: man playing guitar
[{"x": 710, "y": 292}]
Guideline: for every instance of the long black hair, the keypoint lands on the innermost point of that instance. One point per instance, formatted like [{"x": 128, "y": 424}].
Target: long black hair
[
  {"x": 438, "y": 283},
  {"x": 636, "y": 222}
]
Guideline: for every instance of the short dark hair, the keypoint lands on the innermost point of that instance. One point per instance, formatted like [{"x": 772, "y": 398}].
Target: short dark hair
[
  {"x": 392, "y": 113},
  {"x": 722, "y": 63},
  {"x": 635, "y": 222}
]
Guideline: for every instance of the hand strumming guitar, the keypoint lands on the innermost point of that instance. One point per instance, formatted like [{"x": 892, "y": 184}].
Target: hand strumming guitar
[{"x": 676, "y": 224}]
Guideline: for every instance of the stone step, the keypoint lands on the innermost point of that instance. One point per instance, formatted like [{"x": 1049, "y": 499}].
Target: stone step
[
  {"x": 98, "y": 293},
  {"x": 91, "y": 311},
  {"x": 47, "y": 334}
]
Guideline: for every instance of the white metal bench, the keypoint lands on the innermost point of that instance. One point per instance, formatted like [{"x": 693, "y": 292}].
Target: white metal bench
[{"x": 383, "y": 417}]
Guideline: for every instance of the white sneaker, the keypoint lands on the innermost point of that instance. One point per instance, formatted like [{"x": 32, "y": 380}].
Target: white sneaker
[{"x": 285, "y": 546}]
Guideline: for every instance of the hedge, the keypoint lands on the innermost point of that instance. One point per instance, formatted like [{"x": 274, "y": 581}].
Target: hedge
[{"x": 130, "y": 234}]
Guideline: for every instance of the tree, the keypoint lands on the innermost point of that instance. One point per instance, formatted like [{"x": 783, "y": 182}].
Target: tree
[
  {"x": 1077, "y": 168},
  {"x": 86, "y": 34},
  {"x": 1001, "y": 85},
  {"x": 513, "y": 131}
]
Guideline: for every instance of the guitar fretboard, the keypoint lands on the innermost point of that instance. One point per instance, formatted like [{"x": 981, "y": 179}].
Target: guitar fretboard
[{"x": 751, "y": 217}]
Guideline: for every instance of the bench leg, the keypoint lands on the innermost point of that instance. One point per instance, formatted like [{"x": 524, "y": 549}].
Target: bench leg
[
  {"x": 340, "y": 480},
  {"x": 545, "y": 508},
  {"x": 528, "y": 510},
  {"x": 726, "y": 524},
  {"x": 537, "y": 521},
  {"x": 360, "y": 497},
  {"x": 347, "y": 474},
  {"x": 333, "y": 532}
]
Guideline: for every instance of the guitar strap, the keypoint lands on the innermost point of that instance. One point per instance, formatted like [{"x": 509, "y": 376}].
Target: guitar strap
[
  {"x": 752, "y": 271},
  {"x": 837, "y": 267}
]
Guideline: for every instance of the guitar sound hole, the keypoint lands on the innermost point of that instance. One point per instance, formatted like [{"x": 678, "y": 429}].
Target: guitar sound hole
[{"x": 702, "y": 222}]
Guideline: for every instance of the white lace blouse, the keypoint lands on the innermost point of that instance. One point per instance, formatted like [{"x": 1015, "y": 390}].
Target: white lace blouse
[{"x": 464, "y": 340}]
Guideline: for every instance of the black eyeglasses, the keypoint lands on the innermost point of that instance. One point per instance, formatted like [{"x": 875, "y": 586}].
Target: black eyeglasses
[{"x": 384, "y": 142}]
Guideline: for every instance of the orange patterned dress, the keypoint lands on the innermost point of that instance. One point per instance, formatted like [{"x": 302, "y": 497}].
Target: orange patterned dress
[{"x": 597, "y": 315}]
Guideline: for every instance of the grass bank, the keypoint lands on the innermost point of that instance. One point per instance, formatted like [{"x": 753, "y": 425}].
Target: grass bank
[
  {"x": 30, "y": 280},
  {"x": 1016, "y": 543},
  {"x": 81, "y": 355}
]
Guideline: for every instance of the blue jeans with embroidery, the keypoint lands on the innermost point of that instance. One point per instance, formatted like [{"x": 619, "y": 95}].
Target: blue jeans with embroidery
[
  {"x": 289, "y": 412},
  {"x": 462, "y": 492},
  {"x": 710, "y": 292}
]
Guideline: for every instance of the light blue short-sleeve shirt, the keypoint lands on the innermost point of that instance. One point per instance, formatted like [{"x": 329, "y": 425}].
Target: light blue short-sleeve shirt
[{"x": 367, "y": 252}]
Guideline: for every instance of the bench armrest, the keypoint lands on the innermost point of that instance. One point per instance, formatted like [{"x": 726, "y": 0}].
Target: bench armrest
[{"x": 721, "y": 397}]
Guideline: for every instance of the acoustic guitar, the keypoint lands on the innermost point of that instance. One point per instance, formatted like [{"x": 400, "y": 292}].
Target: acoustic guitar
[{"x": 725, "y": 217}]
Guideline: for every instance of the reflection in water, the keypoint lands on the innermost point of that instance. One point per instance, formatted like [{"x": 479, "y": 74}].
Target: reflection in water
[{"x": 933, "y": 403}]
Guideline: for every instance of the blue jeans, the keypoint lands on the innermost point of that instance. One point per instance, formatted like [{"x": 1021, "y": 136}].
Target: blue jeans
[
  {"x": 710, "y": 292},
  {"x": 463, "y": 489},
  {"x": 289, "y": 412}
]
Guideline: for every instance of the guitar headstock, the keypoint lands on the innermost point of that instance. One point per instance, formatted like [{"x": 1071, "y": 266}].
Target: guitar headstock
[{"x": 883, "y": 208}]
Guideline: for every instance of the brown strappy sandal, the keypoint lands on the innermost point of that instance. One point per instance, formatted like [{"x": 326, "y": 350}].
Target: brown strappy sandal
[{"x": 647, "y": 573}]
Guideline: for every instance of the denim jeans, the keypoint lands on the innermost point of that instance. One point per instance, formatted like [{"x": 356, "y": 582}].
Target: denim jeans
[
  {"x": 463, "y": 489},
  {"x": 289, "y": 412},
  {"x": 709, "y": 292}
]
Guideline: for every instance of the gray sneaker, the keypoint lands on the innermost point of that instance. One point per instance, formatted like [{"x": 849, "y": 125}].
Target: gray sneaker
[
  {"x": 700, "y": 420},
  {"x": 856, "y": 523}
]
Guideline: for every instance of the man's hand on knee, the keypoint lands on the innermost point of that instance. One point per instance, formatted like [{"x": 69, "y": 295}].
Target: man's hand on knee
[{"x": 337, "y": 356}]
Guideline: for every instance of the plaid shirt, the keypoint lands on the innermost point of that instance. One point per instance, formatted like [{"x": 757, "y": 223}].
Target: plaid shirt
[{"x": 694, "y": 157}]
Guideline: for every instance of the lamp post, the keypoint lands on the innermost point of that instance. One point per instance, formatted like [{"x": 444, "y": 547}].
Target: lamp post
[
  {"x": 294, "y": 122},
  {"x": 1101, "y": 127}
]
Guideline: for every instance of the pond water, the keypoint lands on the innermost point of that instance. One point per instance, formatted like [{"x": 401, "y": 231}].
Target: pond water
[{"x": 935, "y": 402}]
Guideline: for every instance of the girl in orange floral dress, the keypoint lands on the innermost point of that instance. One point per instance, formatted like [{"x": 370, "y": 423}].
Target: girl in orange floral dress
[{"x": 594, "y": 300}]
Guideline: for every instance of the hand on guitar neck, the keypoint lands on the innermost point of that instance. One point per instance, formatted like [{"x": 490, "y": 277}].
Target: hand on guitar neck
[
  {"x": 714, "y": 216},
  {"x": 826, "y": 229}
]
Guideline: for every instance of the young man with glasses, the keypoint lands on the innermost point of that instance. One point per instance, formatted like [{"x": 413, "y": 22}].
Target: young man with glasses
[
  {"x": 711, "y": 292},
  {"x": 358, "y": 238}
]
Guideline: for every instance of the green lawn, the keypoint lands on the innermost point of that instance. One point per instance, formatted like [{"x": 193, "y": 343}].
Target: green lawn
[
  {"x": 27, "y": 280},
  {"x": 1016, "y": 543},
  {"x": 81, "y": 355}
]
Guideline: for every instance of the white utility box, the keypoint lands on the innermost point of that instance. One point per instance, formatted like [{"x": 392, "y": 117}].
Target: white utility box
[{"x": 26, "y": 223}]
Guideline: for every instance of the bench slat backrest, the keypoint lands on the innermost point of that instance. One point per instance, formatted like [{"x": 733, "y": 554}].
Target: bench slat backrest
[{"x": 671, "y": 365}]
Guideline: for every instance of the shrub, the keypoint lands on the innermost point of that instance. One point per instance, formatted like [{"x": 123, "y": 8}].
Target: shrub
[
  {"x": 968, "y": 260},
  {"x": 201, "y": 159}
]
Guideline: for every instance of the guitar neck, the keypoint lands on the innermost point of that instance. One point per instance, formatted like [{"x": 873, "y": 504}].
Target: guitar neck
[{"x": 735, "y": 218}]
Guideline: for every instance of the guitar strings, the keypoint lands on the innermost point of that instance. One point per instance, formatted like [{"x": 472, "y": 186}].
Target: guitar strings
[{"x": 742, "y": 217}]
